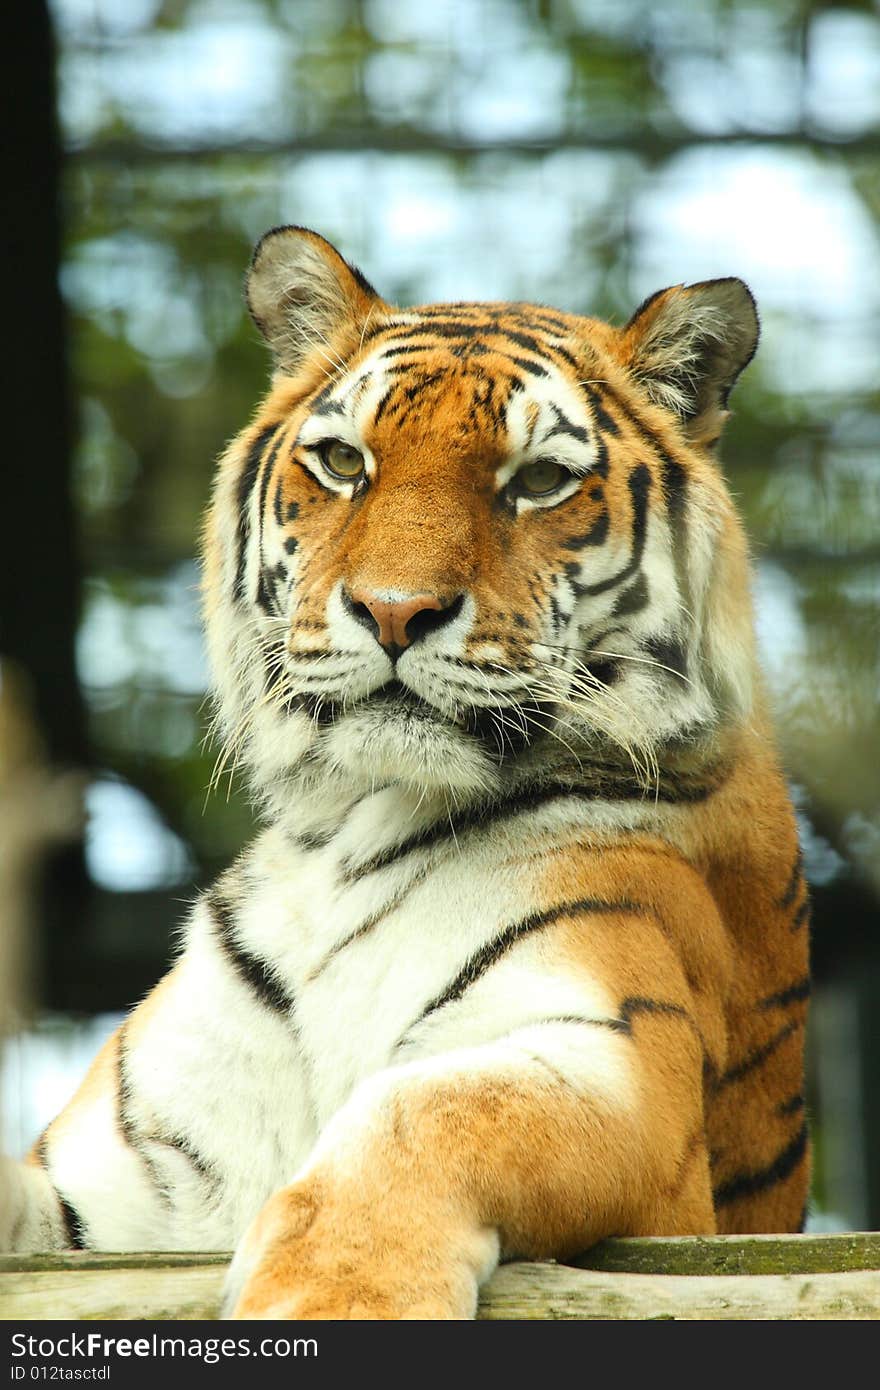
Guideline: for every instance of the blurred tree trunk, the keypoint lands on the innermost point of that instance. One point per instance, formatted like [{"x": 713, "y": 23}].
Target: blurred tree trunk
[{"x": 39, "y": 570}]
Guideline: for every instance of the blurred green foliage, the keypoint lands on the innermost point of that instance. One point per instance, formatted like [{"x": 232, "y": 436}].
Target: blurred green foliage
[{"x": 580, "y": 152}]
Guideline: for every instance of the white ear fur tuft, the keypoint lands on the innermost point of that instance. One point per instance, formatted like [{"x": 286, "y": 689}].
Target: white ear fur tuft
[
  {"x": 687, "y": 346},
  {"x": 301, "y": 294}
]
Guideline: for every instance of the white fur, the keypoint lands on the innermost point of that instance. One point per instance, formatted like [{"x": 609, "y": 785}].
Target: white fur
[{"x": 252, "y": 1090}]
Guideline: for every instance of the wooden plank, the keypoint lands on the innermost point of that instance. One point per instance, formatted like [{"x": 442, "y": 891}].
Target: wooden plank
[
  {"x": 87, "y": 1285},
  {"x": 75, "y": 1261},
  {"x": 169, "y": 1293},
  {"x": 753, "y": 1254},
  {"x": 534, "y": 1291},
  {"x": 743, "y": 1255}
]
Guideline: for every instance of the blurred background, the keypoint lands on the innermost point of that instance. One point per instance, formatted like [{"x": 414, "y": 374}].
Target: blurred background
[{"x": 579, "y": 152}]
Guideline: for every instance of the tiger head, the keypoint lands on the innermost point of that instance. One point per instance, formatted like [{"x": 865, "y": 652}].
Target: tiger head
[{"x": 466, "y": 543}]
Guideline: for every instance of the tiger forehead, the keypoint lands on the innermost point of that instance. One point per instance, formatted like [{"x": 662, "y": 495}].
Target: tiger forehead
[
  {"x": 522, "y": 333},
  {"x": 463, "y": 372}
]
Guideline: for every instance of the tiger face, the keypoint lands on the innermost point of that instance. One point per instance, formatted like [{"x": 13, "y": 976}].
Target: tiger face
[{"x": 463, "y": 544}]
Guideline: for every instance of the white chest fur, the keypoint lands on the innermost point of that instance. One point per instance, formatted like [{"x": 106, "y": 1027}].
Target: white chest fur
[
  {"x": 364, "y": 948},
  {"x": 321, "y": 960}
]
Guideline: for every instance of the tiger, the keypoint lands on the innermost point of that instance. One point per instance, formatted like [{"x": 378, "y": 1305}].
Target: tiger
[{"x": 518, "y": 959}]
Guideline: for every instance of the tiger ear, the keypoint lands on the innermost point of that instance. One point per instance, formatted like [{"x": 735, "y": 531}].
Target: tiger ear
[
  {"x": 302, "y": 295},
  {"x": 688, "y": 344}
]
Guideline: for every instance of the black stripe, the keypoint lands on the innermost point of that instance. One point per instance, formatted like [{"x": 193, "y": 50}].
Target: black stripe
[
  {"x": 547, "y": 319},
  {"x": 597, "y": 534},
  {"x": 273, "y": 671},
  {"x": 307, "y": 654},
  {"x": 674, "y": 479},
  {"x": 324, "y": 404},
  {"x": 623, "y": 1022},
  {"x": 606, "y": 423},
  {"x": 524, "y": 363},
  {"x": 632, "y": 600},
  {"x": 507, "y": 730},
  {"x": 603, "y": 669},
  {"x": 557, "y": 350},
  {"x": 383, "y": 404},
  {"x": 362, "y": 280},
  {"x": 453, "y": 309},
  {"x": 315, "y": 839},
  {"x": 758, "y": 1056},
  {"x": 421, "y": 383},
  {"x": 792, "y": 1105},
  {"x": 750, "y": 1184},
  {"x": 801, "y": 916},
  {"x": 272, "y": 579},
  {"x": 616, "y": 1025},
  {"x": 671, "y": 653},
  {"x": 527, "y": 341},
  {"x": 487, "y": 956},
  {"x": 180, "y": 1145},
  {"x": 674, "y": 473},
  {"x": 252, "y": 971},
  {"x": 265, "y": 480},
  {"x": 442, "y": 328},
  {"x": 257, "y": 976},
  {"x": 463, "y": 321},
  {"x": 246, "y": 484},
  {"x": 610, "y": 783},
  {"x": 278, "y": 502},
  {"x": 127, "y": 1127},
  {"x": 268, "y": 581},
  {"x": 74, "y": 1225},
  {"x": 637, "y": 1004},
  {"x": 674, "y": 482},
  {"x": 404, "y": 350},
  {"x": 559, "y": 1077},
  {"x": 794, "y": 994},
  {"x": 566, "y": 427},
  {"x": 369, "y": 924},
  {"x": 639, "y": 483},
  {"x": 123, "y": 1095},
  {"x": 794, "y": 880},
  {"x": 482, "y": 816}
]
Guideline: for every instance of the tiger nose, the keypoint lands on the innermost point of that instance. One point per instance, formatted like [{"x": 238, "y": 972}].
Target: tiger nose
[{"x": 397, "y": 623}]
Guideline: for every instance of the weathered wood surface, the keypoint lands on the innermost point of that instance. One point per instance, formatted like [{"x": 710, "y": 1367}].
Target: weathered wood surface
[
  {"x": 807, "y": 1254},
  {"x": 151, "y": 1289},
  {"x": 558, "y": 1291},
  {"x": 722, "y": 1277}
]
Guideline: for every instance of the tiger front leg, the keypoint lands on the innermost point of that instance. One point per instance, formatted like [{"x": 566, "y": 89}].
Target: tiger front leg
[
  {"x": 335, "y": 1246},
  {"x": 535, "y": 1146}
]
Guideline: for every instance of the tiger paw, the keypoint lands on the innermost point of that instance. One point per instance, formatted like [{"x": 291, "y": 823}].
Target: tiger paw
[{"x": 319, "y": 1253}]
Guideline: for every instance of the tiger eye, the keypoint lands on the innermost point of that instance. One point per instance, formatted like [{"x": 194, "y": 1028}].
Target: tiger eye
[
  {"x": 541, "y": 476},
  {"x": 342, "y": 460}
]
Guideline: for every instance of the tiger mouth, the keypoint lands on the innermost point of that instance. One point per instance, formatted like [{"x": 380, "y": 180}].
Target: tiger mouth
[
  {"x": 394, "y": 692},
  {"x": 504, "y": 731}
]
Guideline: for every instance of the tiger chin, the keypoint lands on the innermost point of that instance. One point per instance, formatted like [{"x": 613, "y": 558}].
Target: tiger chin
[{"x": 520, "y": 958}]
